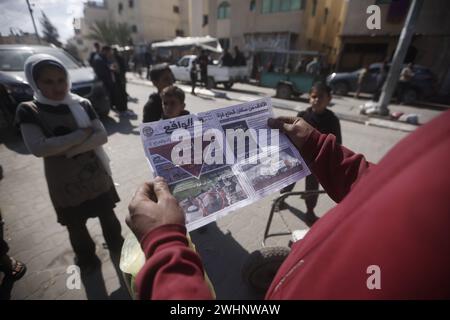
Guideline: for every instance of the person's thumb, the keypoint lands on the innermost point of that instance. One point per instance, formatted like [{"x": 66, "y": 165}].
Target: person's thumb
[
  {"x": 287, "y": 128},
  {"x": 284, "y": 124},
  {"x": 161, "y": 189},
  {"x": 144, "y": 193}
]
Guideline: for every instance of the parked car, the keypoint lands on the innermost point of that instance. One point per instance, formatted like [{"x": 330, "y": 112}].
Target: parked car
[
  {"x": 422, "y": 84},
  {"x": 226, "y": 76},
  {"x": 84, "y": 81}
]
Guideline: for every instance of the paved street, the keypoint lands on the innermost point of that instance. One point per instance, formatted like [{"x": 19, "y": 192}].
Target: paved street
[{"x": 37, "y": 239}]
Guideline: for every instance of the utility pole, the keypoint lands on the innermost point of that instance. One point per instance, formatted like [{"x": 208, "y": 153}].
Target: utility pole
[
  {"x": 399, "y": 56},
  {"x": 34, "y": 23}
]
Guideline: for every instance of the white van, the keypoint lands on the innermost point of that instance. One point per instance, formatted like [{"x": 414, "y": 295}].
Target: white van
[{"x": 216, "y": 74}]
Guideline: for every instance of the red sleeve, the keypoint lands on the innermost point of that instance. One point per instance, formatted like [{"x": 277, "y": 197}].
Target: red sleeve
[
  {"x": 336, "y": 167},
  {"x": 173, "y": 271}
]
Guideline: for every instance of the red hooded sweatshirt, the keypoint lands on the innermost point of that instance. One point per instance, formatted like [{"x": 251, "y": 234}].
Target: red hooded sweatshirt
[{"x": 388, "y": 237}]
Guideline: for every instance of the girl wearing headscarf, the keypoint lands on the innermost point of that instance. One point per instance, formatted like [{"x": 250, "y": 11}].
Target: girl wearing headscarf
[{"x": 64, "y": 129}]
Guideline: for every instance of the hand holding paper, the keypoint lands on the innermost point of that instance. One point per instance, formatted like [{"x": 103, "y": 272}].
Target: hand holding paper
[
  {"x": 152, "y": 206},
  {"x": 297, "y": 129}
]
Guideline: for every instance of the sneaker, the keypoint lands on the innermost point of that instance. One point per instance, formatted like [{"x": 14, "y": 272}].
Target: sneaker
[{"x": 12, "y": 268}]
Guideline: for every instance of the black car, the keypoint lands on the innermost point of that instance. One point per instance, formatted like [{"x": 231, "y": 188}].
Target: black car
[
  {"x": 422, "y": 84},
  {"x": 12, "y": 77}
]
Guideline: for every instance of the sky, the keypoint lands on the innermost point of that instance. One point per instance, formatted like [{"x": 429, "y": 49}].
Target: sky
[{"x": 60, "y": 12}]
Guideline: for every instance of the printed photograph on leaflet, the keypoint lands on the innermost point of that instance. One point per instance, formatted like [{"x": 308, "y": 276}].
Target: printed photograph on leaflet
[{"x": 221, "y": 160}]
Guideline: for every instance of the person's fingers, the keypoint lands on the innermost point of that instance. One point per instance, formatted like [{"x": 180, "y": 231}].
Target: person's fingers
[
  {"x": 281, "y": 120},
  {"x": 161, "y": 189},
  {"x": 144, "y": 192},
  {"x": 285, "y": 124},
  {"x": 289, "y": 120},
  {"x": 275, "y": 123}
]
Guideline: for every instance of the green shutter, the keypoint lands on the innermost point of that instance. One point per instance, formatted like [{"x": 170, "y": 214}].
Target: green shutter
[
  {"x": 296, "y": 5},
  {"x": 266, "y": 6},
  {"x": 285, "y": 5},
  {"x": 276, "y": 5}
]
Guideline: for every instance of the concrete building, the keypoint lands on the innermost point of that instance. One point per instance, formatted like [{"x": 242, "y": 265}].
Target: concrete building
[
  {"x": 324, "y": 21},
  {"x": 335, "y": 28},
  {"x": 430, "y": 46},
  {"x": 359, "y": 44},
  {"x": 199, "y": 18},
  {"x": 257, "y": 24},
  {"x": 149, "y": 20},
  {"x": 266, "y": 30},
  {"x": 154, "y": 20},
  {"x": 262, "y": 26},
  {"x": 92, "y": 12}
]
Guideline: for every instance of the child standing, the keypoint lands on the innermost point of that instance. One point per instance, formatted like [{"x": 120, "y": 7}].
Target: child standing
[
  {"x": 162, "y": 77},
  {"x": 320, "y": 117},
  {"x": 64, "y": 129}
]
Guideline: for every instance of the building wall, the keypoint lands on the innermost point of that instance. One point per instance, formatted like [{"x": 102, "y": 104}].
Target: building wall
[
  {"x": 244, "y": 22},
  {"x": 432, "y": 31},
  {"x": 192, "y": 12},
  {"x": 92, "y": 13},
  {"x": 186, "y": 11},
  {"x": 205, "y": 26},
  {"x": 433, "y": 19},
  {"x": 153, "y": 20},
  {"x": 323, "y": 35}
]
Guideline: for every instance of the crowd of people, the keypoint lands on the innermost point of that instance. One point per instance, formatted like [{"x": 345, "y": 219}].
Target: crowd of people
[
  {"x": 110, "y": 67},
  {"x": 391, "y": 214}
]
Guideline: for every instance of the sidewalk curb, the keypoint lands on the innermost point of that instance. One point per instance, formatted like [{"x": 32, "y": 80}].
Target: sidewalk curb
[
  {"x": 201, "y": 91},
  {"x": 361, "y": 119}
]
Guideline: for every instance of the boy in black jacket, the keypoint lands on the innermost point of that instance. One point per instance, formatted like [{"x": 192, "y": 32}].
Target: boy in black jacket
[
  {"x": 173, "y": 103},
  {"x": 324, "y": 120},
  {"x": 162, "y": 77}
]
